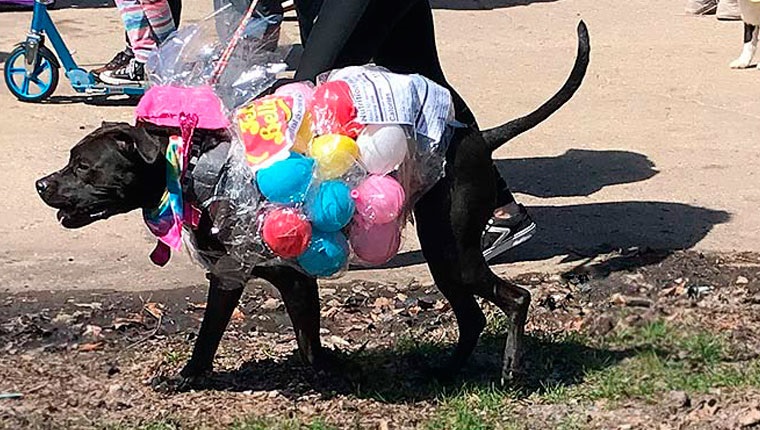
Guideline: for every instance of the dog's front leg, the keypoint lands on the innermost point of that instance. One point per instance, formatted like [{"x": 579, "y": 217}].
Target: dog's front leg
[
  {"x": 223, "y": 298},
  {"x": 750, "y": 45},
  {"x": 301, "y": 297}
]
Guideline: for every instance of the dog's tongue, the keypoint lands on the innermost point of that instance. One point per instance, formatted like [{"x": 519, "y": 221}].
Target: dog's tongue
[{"x": 160, "y": 255}]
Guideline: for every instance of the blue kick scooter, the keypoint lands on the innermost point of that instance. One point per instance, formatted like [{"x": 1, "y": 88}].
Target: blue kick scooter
[{"x": 31, "y": 70}]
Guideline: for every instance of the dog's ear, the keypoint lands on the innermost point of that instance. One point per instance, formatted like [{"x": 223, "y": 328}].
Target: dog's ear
[
  {"x": 136, "y": 140},
  {"x": 146, "y": 145}
]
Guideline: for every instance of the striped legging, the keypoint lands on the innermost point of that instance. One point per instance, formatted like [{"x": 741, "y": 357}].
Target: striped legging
[{"x": 148, "y": 23}]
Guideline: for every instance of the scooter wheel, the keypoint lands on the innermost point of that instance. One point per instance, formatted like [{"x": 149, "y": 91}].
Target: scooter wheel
[{"x": 38, "y": 85}]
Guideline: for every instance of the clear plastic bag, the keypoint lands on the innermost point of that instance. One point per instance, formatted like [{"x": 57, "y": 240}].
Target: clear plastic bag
[
  {"x": 315, "y": 177},
  {"x": 191, "y": 57},
  {"x": 342, "y": 190}
]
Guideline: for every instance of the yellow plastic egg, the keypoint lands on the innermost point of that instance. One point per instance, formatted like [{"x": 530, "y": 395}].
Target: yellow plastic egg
[{"x": 334, "y": 153}]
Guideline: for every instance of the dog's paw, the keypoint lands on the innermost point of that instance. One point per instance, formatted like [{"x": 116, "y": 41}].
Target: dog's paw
[
  {"x": 327, "y": 360},
  {"x": 511, "y": 373},
  {"x": 174, "y": 384},
  {"x": 740, "y": 63}
]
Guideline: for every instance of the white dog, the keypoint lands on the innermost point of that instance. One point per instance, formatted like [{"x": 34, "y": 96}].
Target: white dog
[{"x": 750, "y": 10}]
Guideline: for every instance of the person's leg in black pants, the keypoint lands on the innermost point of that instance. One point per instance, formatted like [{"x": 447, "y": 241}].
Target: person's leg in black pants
[
  {"x": 399, "y": 35},
  {"x": 510, "y": 225},
  {"x": 176, "y": 7}
]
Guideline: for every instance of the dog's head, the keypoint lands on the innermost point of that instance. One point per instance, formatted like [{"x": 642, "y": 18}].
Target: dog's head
[{"x": 115, "y": 169}]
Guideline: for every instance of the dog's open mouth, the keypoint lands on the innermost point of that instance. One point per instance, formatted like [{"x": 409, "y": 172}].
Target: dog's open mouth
[{"x": 76, "y": 219}]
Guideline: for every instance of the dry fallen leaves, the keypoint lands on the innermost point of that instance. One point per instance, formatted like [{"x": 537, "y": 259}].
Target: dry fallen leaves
[
  {"x": 382, "y": 303},
  {"x": 197, "y": 306},
  {"x": 238, "y": 315},
  {"x": 93, "y": 305},
  {"x": 87, "y": 347},
  {"x": 621, "y": 300},
  {"x": 750, "y": 418},
  {"x": 121, "y": 322},
  {"x": 270, "y": 304},
  {"x": 93, "y": 331},
  {"x": 156, "y": 310},
  {"x": 338, "y": 341}
]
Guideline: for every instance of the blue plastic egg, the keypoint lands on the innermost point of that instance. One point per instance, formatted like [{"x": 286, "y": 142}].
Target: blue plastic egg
[
  {"x": 331, "y": 207},
  {"x": 326, "y": 255},
  {"x": 286, "y": 181}
]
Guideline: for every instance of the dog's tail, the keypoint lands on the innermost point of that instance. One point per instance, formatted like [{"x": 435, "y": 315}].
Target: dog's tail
[{"x": 500, "y": 135}]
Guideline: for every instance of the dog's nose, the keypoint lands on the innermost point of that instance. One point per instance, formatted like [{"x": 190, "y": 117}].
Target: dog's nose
[{"x": 41, "y": 186}]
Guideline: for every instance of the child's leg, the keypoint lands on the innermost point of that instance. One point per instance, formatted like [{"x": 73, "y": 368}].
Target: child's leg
[
  {"x": 138, "y": 28},
  {"x": 159, "y": 17}
]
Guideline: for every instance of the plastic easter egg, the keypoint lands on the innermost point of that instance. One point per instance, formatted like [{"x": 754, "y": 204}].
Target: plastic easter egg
[
  {"x": 304, "y": 135},
  {"x": 326, "y": 255},
  {"x": 331, "y": 207},
  {"x": 304, "y": 89},
  {"x": 376, "y": 244},
  {"x": 379, "y": 200},
  {"x": 334, "y": 153},
  {"x": 286, "y": 181},
  {"x": 334, "y": 111},
  {"x": 286, "y": 231},
  {"x": 382, "y": 148}
]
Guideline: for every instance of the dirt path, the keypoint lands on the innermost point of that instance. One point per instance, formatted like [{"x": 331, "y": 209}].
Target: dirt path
[
  {"x": 656, "y": 150},
  {"x": 672, "y": 345}
]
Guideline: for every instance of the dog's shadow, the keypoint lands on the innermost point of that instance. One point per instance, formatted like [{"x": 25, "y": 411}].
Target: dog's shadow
[
  {"x": 583, "y": 231},
  {"x": 397, "y": 375},
  {"x": 576, "y": 173}
]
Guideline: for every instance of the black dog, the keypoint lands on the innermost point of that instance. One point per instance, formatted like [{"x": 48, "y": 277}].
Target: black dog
[{"x": 118, "y": 168}]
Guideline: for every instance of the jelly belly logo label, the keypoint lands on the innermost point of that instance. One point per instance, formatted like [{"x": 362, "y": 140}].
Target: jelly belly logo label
[{"x": 268, "y": 128}]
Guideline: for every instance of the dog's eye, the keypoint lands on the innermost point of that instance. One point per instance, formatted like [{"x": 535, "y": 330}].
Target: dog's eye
[{"x": 82, "y": 167}]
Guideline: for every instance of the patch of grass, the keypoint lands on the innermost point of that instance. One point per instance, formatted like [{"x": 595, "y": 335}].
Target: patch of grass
[
  {"x": 175, "y": 357},
  {"x": 652, "y": 334},
  {"x": 408, "y": 343},
  {"x": 704, "y": 348},
  {"x": 496, "y": 323},
  {"x": 475, "y": 408},
  {"x": 163, "y": 425},
  {"x": 253, "y": 423},
  {"x": 641, "y": 362},
  {"x": 662, "y": 358},
  {"x": 276, "y": 424},
  {"x": 555, "y": 392},
  {"x": 571, "y": 422}
]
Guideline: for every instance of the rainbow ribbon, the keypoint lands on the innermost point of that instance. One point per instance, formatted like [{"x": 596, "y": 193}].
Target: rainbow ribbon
[{"x": 166, "y": 220}]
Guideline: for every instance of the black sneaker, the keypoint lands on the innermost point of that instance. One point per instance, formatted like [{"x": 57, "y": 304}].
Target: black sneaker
[
  {"x": 117, "y": 62},
  {"x": 131, "y": 74},
  {"x": 502, "y": 234}
]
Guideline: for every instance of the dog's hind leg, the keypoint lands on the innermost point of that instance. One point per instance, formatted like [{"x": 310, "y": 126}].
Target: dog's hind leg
[
  {"x": 514, "y": 301},
  {"x": 451, "y": 218},
  {"x": 223, "y": 297},
  {"x": 301, "y": 297}
]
